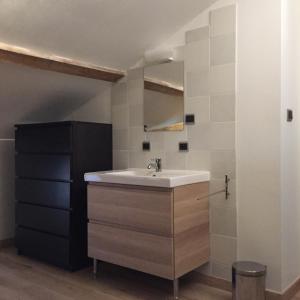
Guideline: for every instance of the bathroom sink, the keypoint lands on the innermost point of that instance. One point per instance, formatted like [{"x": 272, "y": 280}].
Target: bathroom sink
[{"x": 145, "y": 177}]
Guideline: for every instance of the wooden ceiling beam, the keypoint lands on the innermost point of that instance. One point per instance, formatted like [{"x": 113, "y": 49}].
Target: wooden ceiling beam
[
  {"x": 28, "y": 58},
  {"x": 162, "y": 87}
]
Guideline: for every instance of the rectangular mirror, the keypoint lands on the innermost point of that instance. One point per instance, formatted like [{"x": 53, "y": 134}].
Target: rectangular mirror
[{"x": 164, "y": 97}]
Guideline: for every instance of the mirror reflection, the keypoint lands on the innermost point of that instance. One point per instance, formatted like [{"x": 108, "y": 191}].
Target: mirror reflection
[{"x": 164, "y": 97}]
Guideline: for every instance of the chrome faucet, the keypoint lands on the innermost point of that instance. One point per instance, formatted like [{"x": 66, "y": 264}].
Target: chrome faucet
[{"x": 155, "y": 163}]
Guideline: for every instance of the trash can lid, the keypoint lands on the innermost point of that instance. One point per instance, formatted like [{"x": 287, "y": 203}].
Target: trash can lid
[{"x": 249, "y": 268}]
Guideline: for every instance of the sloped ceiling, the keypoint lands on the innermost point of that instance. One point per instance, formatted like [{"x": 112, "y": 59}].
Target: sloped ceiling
[
  {"x": 32, "y": 95},
  {"x": 112, "y": 33}
]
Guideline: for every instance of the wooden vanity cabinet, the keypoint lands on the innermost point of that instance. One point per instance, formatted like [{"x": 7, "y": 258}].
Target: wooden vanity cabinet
[{"x": 160, "y": 231}]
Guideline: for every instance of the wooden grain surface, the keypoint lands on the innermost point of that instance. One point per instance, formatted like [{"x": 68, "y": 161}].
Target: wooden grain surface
[
  {"x": 191, "y": 227},
  {"x": 140, "y": 251},
  {"x": 139, "y": 209},
  {"x": 57, "y": 64},
  {"x": 22, "y": 278}
]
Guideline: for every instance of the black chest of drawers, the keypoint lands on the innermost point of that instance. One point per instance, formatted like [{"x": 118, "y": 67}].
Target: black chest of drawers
[{"x": 51, "y": 207}]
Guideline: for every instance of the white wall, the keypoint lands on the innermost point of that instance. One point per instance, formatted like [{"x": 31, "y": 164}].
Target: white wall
[
  {"x": 290, "y": 143},
  {"x": 258, "y": 134},
  {"x": 7, "y": 180},
  {"x": 97, "y": 109}
]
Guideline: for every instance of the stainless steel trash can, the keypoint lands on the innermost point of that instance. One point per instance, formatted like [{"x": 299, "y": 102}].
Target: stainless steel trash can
[{"x": 248, "y": 280}]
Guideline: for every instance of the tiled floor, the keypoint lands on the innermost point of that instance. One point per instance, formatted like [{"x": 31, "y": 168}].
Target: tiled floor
[{"x": 23, "y": 279}]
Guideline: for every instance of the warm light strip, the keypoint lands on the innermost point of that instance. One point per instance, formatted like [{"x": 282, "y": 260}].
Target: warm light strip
[{"x": 59, "y": 59}]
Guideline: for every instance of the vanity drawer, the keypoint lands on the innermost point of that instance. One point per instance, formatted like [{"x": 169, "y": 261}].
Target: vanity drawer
[
  {"x": 142, "y": 209},
  {"x": 47, "y": 193},
  {"x": 191, "y": 227},
  {"x": 140, "y": 251},
  {"x": 43, "y": 246},
  {"x": 44, "y": 139},
  {"x": 51, "y": 167},
  {"x": 191, "y": 206},
  {"x": 46, "y": 219}
]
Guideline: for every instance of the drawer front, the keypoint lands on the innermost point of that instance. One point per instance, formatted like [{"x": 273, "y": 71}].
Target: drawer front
[
  {"x": 140, "y": 251},
  {"x": 52, "y": 167},
  {"x": 52, "y": 249},
  {"x": 143, "y": 210},
  {"x": 190, "y": 206},
  {"x": 46, "y": 219},
  {"x": 47, "y": 193},
  {"x": 191, "y": 227},
  {"x": 47, "y": 139}
]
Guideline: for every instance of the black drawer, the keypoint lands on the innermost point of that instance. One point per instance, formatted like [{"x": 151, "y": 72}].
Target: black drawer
[
  {"x": 46, "y": 247},
  {"x": 51, "y": 167},
  {"x": 46, "y": 219},
  {"x": 47, "y": 139},
  {"x": 48, "y": 193}
]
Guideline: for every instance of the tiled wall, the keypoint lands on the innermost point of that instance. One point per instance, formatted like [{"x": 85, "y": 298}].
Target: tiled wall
[{"x": 209, "y": 56}]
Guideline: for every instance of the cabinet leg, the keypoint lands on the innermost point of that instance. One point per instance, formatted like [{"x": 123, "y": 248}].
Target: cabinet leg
[
  {"x": 176, "y": 289},
  {"x": 95, "y": 267}
]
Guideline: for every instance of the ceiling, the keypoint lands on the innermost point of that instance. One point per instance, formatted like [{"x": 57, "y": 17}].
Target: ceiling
[{"x": 112, "y": 33}]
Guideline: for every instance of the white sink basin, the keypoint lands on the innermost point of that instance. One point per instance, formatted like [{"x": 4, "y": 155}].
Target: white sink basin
[{"x": 166, "y": 178}]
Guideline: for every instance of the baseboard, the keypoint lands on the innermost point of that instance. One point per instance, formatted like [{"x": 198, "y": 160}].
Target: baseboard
[
  {"x": 225, "y": 285},
  {"x": 292, "y": 290},
  {"x": 6, "y": 243}
]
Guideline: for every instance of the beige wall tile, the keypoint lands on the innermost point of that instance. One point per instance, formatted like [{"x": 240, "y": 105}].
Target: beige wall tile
[
  {"x": 175, "y": 160},
  {"x": 119, "y": 93},
  {"x": 137, "y": 159},
  {"x": 223, "y": 221},
  {"x": 198, "y": 160},
  {"x": 156, "y": 139},
  {"x": 196, "y": 56},
  {"x": 136, "y": 138},
  {"x": 171, "y": 139},
  {"x": 222, "y": 108},
  {"x": 222, "y": 136},
  {"x": 135, "y": 91},
  {"x": 223, "y": 249},
  {"x": 199, "y": 137},
  {"x": 120, "y": 116},
  {"x": 217, "y": 185},
  {"x": 136, "y": 115},
  {"x": 222, "y": 21},
  {"x": 200, "y": 107},
  {"x": 221, "y": 270},
  {"x": 140, "y": 159},
  {"x": 222, "y": 163},
  {"x": 120, "y": 139},
  {"x": 222, "y": 49},
  {"x": 197, "y": 34},
  {"x": 120, "y": 159},
  {"x": 222, "y": 79},
  {"x": 197, "y": 83}
]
